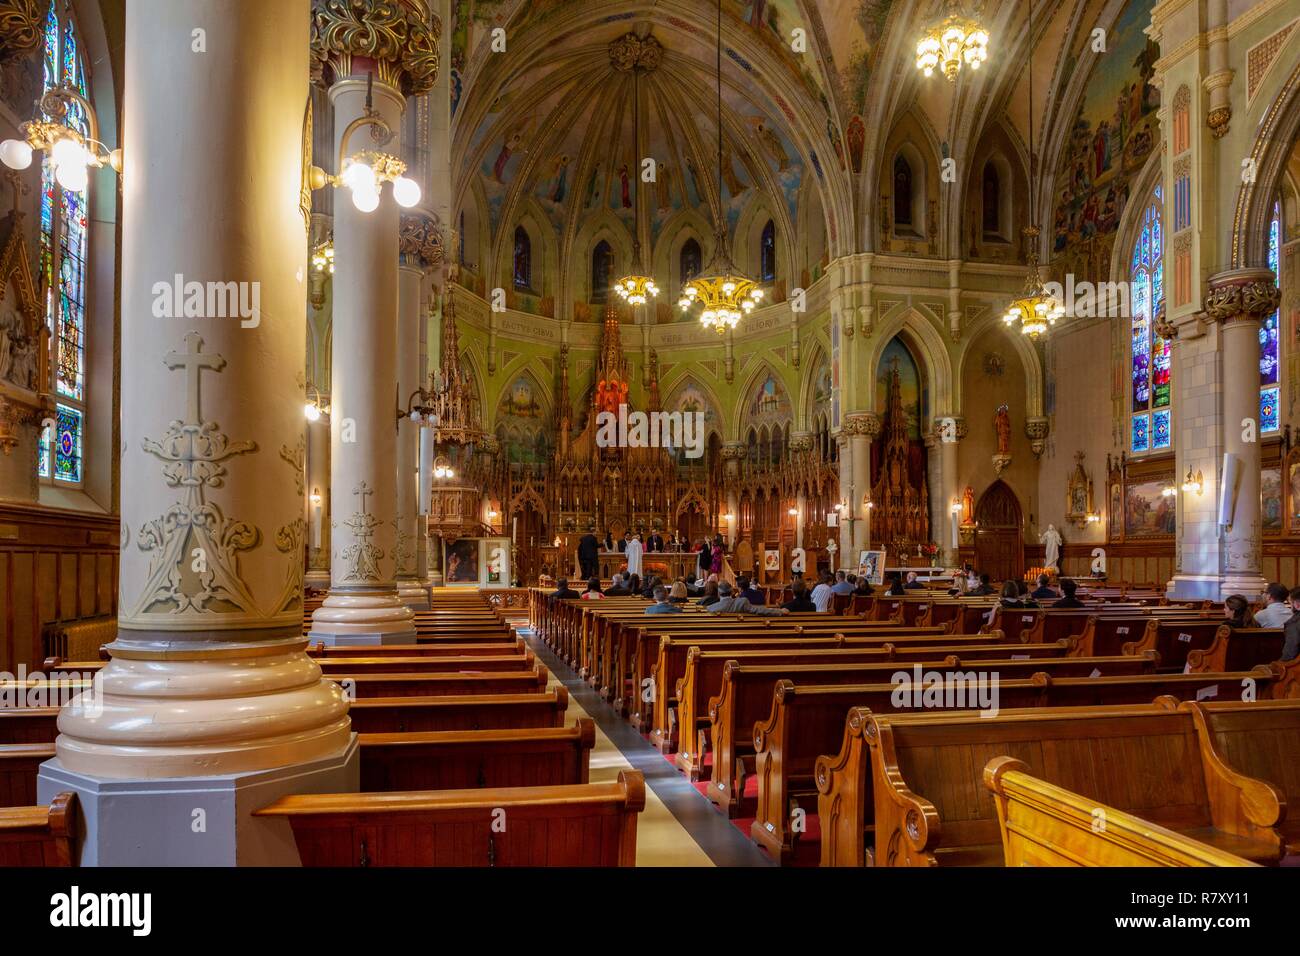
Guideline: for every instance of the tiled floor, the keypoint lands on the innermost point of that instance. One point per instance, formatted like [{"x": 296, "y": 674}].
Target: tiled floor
[{"x": 678, "y": 827}]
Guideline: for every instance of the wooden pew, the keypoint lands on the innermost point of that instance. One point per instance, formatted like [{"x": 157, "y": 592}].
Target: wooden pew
[
  {"x": 918, "y": 774},
  {"x": 39, "y": 836},
  {"x": 1173, "y": 640},
  {"x": 19, "y": 766},
  {"x": 363, "y": 663},
  {"x": 364, "y": 686},
  {"x": 386, "y": 715},
  {"x": 468, "y": 759},
  {"x": 1042, "y": 824},
  {"x": 579, "y": 825},
  {"x": 1235, "y": 649},
  {"x": 28, "y": 725},
  {"x": 510, "y": 648}
]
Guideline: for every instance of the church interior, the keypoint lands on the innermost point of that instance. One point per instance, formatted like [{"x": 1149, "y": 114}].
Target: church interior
[{"x": 747, "y": 433}]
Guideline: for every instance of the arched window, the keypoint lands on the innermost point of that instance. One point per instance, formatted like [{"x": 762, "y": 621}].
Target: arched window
[
  {"x": 1150, "y": 426},
  {"x": 63, "y": 267},
  {"x": 1268, "y": 337},
  {"x": 689, "y": 260},
  {"x": 767, "y": 253},
  {"x": 602, "y": 265},
  {"x": 990, "y": 195},
  {"x": 902, "y": 192},
  {"x": 523, "y": 259}
]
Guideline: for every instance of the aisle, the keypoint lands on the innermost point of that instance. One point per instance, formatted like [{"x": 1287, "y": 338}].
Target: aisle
[{"x": 679, "y": 826}]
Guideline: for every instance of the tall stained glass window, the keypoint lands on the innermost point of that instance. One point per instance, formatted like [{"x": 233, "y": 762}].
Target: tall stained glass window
[
  {"x": 63, "y": 265},
  {"x": 1268, "y": 337},
  {"x": 1151, "y": 423}
]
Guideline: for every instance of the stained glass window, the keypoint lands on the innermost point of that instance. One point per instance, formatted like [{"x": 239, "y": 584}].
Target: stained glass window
[
  {"x": 523, "y": 259},
  {"x": 1150, "y": 352},
  {"x": 767, "y": 253},
  {"x": 63, "y": 257},
  {"x": 1268, "y": 337}
]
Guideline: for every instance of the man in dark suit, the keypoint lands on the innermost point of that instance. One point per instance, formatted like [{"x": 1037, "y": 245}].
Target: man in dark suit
[
  {"x": 1044, "y": 591},
  {"x": 655, "y": 542},
  {"x": 563, "y": 591},
  {"x": 623, "y": 541},
  {"x": 588, "y": 555}
]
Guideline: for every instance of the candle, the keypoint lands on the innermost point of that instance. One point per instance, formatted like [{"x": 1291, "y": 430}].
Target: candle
[{"x": 513, "y": 523}]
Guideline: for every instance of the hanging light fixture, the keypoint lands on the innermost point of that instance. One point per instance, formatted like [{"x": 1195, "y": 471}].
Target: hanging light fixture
[
  {"x": 634, "y": 288},
  {"x": 724, "y": 293},
  {"x": 1034, "y": 310},
  {"x": 72, "y": 153},
  {"x": 953, "y": 41}
]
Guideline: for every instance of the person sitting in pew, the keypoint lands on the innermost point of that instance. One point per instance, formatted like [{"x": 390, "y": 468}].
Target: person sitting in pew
[
  {"x": 662, "y": 605},
  {"x": 862, "y": 587},
  {"x": 750, "y": 593},
  {"x": 1291, "y": 630},
  {"x": 593, "y": 592},
  {"x": 913, "y": 582},
  {"x": 1044, "y": 591},
  {"x": 679, "y": 593},
  {"x": 1011, "y": 596},
  {"x": 1236, "y": 611},
  {"x": 633, "y": 584},
  {"x": 821, "y": 594},
  {"x": 563, "y": 591},
  {"x": 1276, "y": 611},
  {"x": 841, "y": 585},
  {"x": 731, "y": 603},
  {"x": 1068, "y": 587},
  {"x": 616, "y": 587},
  {"x": 983, "y": 589},
  {"x": 693, "y": 587},
  {"x": 896, "y": 588},
  {"x": 710, "y": 592},
  {"x": 800, "y": 601}
]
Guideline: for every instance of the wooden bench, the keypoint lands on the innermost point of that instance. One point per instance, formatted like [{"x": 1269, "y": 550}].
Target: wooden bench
[
  {"x": 510, "y": 648},
  {"x": 931, "y": 808},
  {"x": 590, "y": 824},
  {"x": 39, "y": 836},
  {"x": 386, "y": 664},
  {"x": 468, "y": 759},
  {"x": 1174, "y": 640},
  {"x": 364, "y": 686},
  {"x": 1042, "y": 824},
  {"x": 29, "y": 725},
  {"x": 19, "y": 766},
  {"x": 388, "y": 715},
  {"x": 1235, "y": 649}
]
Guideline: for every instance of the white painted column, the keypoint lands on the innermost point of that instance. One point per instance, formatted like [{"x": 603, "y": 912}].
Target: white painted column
[
  {"x": 410, "y": 275},
  {"x": 363, "y": 606},
  {"x": 209, "y": 693},
  {"x": 318, "y": 506}
]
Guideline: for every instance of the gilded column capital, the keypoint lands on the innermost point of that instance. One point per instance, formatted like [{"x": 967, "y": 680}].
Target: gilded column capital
[
  {"x": 862, "y": 423},
  {"x": 489, "y": 446},
  {"x": 801, "y": 441},
  {"x": 1036, "y": 432},
  {"x": 1241, "y": 295},
  {"x": 419, "y": 240},
  {"x": 399, "y": 36},
  {"x": 733, "y": 451}
]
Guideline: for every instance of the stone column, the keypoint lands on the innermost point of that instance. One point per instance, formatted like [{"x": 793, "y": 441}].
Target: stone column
[
  {"x": 417, "y": 249},
  {"x": 801, "y": 443},
  {"x": 209, "y": 707},
  {"x": 1240, "y": 299},
  {"x": 861, "y": 428},
  {"x": 732, "y": 454},
  {"x": 392, "y": 57}
]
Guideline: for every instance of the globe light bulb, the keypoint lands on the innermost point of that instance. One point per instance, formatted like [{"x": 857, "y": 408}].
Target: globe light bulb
[
  {"x": 359, "y": 176},
  {"x": 366, "y": 200},
  {"x": 406, "y": 191},
  {"x": 72, "y": 176},
  {"x": 16, "y": 153},
  {"x": 311, "y": 411},
  {"x": 68, "y": 152}
]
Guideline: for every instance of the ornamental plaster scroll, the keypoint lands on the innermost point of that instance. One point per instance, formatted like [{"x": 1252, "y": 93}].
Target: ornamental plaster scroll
[
  {"x": 195, "y": 545},
  {"x": 289, "y": 537},
  {"x": 362, "y": 556},
  {"x": 404, "y": 549}
]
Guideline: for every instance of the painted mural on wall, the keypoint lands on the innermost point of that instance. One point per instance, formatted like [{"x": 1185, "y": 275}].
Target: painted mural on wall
[
  {"x": 1148, "y": 510},
  {"x": 688, "y": 398},
  {"x": 910, "y": 385},
  {"x": 822, "y": 390},
  {"x": 521, "y": 423},
  {"x": 1114, "y": 131},
  {"x": 769, "y": 403}
]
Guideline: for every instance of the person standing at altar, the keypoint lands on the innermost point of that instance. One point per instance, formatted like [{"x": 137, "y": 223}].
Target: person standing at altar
[
  {"x": 588, "y": 554},
  {"x": 705, "y": 559},
  {"x": 655, "y": 542},
  {"x": 633, "y": 551},
  {"x": 716, "y": 564}
]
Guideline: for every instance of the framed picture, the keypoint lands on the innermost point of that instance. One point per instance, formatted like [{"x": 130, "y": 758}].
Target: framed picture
[
  {"x": 1270, "y": 498},
  {"x": 496, "y": 562},
  {"x": 1148, "y": 511},
  {"x": 461, "y": 561},
  {"x": 772, "y": 560},
  {"x": 871, "y": 565}
]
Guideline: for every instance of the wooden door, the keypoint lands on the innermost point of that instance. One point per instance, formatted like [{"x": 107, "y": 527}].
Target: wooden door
[{"x": 999, "y": 536}]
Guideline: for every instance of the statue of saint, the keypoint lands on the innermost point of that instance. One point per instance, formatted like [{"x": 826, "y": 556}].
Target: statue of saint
[
  {"x": 1002, "y": 425},
  {"x": 1051, "y": 541}
]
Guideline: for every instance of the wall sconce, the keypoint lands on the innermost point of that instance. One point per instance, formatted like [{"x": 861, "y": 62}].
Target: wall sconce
[
  {"x": 315, "y": 497},
  {"x": 315, "y": 408},
  {"x": 956, "y": 506},
  {"x": 72, "y": 153},
  {"x": 442, "y": 468},
  {"x": 1093, "y": 517},
  {"x": 792, "y": 512},
  {"x": 365, "y": 172},
  {"x": 1169, "y": 491},
  {"x": 1193, "y": 483},
  {"x": 492, "y": 516},
  {"x": 870, "y": 504},
  {"x": 728, "y": 517},
  {"x": 420, "y": 408}
]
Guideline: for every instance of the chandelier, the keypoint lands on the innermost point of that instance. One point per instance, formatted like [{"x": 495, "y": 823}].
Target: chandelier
[
  {"x": 951, "y": 42},
  {"x": 72, "y": 154},
  {"x": 634, "y": 288},
  {"x": 322, "y": 257},
  {"x": 1034, "y": 310},
  {"x": 724, "y": 292}
]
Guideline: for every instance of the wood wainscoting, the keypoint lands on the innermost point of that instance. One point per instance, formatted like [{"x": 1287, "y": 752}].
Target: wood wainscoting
[{"x": 55, "y": 565}]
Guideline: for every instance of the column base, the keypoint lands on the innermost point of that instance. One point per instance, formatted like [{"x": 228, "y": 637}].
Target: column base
[
  {"x": 1249, "y": 584},
  {"x": 1184, "y": 587},
  {"x": 362, "y": 618},
  {"x": 413, "y": 594},
  {"x": 193, "y": 821},
  {"x": 320, "y": 580},
  {"x": 435, "y": 579}
]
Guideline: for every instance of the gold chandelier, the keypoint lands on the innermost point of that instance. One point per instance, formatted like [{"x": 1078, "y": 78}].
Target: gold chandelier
[
  {"x": 634, "y": 288},
  {"x": 952, "y": 41},
  {"x": 1034, "y": 310},
  {"x": 725, "y": 294},
  {"x": 721, "y": 289}
]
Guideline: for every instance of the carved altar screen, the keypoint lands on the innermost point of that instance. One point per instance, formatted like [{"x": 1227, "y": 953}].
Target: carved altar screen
[{"x": 901, "y": 514}]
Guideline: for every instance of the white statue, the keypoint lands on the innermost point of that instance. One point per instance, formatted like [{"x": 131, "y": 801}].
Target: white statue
[{"x": 1051, "y": 540}]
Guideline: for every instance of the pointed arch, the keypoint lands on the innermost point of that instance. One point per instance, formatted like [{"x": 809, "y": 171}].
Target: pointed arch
[
  {"x": 930, "y": 350},
  {"x": 751, "y": 381},
  {"x": 1025, "y": 352}
]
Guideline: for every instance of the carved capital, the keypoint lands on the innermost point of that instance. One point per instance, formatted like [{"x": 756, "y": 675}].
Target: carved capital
[
  {"x": 1217, "y": 120},
  {"x": 1036, "y": 432},
  {"x": 862, "y": 423},
  {"x": 1241, "y": 295},
  {"x": 420, "y": 241},
  {"x": 489, "y": 446},
  {"x": 400, "y": 36},
  {"x": 733, "y": 451},
  {"x": 801, "y": 441}
]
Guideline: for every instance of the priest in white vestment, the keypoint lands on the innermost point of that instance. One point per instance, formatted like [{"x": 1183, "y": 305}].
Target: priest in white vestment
[{"x": 633, "y": 554}]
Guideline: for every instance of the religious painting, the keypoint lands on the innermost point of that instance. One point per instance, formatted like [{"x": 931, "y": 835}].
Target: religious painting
[
  {"x": 1114, "y": 131},
  {"x": 821, "y": 384},
  {"x": 1293, "y": 489},
  {"x": 772, "y": 560},
  {"x": 770, "y": 402},
  {"x": 1270, "y": 498},
  {"x": 1148, "y": 510},
  {"x": 689, "y": 398},
  {"x": 461, "y": 561},
  {"x": 871, "y": 565},
  {"x": 522, "y": 422},
  {"x": 910, "y": 386},
  {"x": 1116, "y": 510}
]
